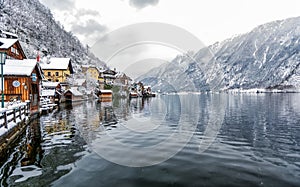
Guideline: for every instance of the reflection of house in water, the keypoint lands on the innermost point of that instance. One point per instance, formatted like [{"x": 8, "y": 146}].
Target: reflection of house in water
[
  {"x": 58, "y": 131},
  {"x": 139, "y": 104},
  {"x": 106, "y": 115},
  {"x": 56, "y": 126},
  {"x": 33, "y": 147},
  {"x": 121, "y": 108}
]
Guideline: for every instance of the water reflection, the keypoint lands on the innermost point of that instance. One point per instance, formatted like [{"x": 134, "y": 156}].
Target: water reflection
[
  {"x": 33, "y": 149},
  {"x": 257, "y": 143},
  {"x": 268, "y": 125},
  {"x": 50, "y": 148},
  {"x": 107, "y": 116}
]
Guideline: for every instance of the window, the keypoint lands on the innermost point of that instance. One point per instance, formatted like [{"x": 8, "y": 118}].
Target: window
[
  {"x": 49, "y": 73},
  {"x": 13, "y": 50},
  {"x": 56, "y": 73},
  {"x": 57, "y": 80},
  {"x": 49, "y": 80}
]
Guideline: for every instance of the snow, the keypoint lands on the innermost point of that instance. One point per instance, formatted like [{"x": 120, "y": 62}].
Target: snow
[
  {"x": 256, "y": 49},
  {"x": 26, "y": 172},
  {"x": 15, "y": 105},
  {"x": 3, "y": 131},
  {"x": 253, "y": 60},
  {"x": 105, "y": 91},
  {"x": 12, "y": 124},
  {"x": 19, "y": 67},
  {"x": 9, "y": 34},
  {"x": 7, "y": 42},
  {"x": 48, "y": 93},
  {"x": 50, "y": 84},
  {"x": 79, "y": 82},
  {"x": 2, "y": 110},
  {"x": 75, "y": 92},
  {"x": 56, "y": 63}
]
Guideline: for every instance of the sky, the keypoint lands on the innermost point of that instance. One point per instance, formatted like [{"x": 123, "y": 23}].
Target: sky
[{"x": 208, "y": 20}]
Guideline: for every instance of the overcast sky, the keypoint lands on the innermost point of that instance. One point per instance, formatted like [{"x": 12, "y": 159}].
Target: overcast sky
[{"x": 208, "y": 20}]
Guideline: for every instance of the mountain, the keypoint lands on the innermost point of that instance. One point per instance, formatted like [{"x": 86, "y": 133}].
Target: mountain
[
  {"x": 36, "y": 28},
  {"x": 267, "y": 57}
]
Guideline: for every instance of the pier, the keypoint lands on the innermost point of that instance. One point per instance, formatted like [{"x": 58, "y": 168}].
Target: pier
[{"x": 13, "y": 121}]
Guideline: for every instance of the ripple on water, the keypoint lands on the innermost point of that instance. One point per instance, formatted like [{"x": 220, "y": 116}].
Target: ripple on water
[{"x": 257, "y": 145}]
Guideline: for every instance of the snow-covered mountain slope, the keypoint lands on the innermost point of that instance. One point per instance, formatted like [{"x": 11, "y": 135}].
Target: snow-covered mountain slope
[
  {"x": 37, "y": 29},
  {"x": 266, "y": 57}
]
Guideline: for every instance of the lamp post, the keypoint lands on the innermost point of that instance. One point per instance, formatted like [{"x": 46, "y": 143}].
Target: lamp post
[{"x": 2, "y": 62}]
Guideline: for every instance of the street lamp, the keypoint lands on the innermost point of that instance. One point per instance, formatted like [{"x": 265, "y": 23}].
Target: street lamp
[{"x": 2, "y": 62}]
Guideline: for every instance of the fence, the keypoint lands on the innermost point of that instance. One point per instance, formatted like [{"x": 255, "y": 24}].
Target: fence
[{"x": 14, "y": 114}]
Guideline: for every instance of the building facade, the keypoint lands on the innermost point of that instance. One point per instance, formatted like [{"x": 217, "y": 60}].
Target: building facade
[
  {"x": 57, "y": 69},
  {"x": 22, "y": 79}
]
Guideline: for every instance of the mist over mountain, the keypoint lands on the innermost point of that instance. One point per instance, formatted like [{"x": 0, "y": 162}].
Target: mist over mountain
[
  {"x": 36, "y": 28},
  {"x": 266, "y": 57}
]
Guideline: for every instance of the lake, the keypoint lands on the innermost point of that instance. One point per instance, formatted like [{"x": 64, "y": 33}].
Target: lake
[{"x": 169, "y": 140}]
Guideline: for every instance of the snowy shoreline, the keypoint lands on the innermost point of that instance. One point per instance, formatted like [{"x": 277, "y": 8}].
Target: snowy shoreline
[{"x": 234, "y": 91}]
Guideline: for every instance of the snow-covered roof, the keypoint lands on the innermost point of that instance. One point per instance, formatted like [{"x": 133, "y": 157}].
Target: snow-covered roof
[
  {"x": 19, "y": 67},
  {"x": 8, "y": 34},
  {"x": 48, "y": 93},
  {"x": 75, "y": 92},
  {"x": 79, "y": 82},
  {"x": 56, "y": 63},
  {"x": 50, "y": 84},
  {"x": 110, "y": 72},
  {"x": 7, "y": 42},
  {"x": 105, "y": 91}
]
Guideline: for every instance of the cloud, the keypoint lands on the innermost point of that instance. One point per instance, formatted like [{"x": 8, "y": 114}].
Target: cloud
[
  {"x": 89, "y": 27},
  {"x": 59, "y": 4},
  {"x": 87, "y": 12},
  {"x": 139, "y": 4}
]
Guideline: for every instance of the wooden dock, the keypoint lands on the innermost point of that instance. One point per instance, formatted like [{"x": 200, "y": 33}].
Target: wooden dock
[{"x": 13, "y": 121}]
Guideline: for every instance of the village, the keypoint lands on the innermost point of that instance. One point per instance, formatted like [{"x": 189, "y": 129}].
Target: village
[{"x": 33, "y": 87}]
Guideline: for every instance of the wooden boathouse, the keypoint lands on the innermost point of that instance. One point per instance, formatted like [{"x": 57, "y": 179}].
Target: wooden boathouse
[{"x": 22, "y": 79}]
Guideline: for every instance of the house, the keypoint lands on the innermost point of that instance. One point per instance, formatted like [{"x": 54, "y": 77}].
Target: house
[
  {"x": 109, "y": 76},
  {"x": 57, "y": 70},
  {"x": 122, "y": 80},
  {"x": 12, "y": 48},
  {"x": 94, "y": 73},
  {"x": 22, "y": 80},
  {"x": 72, "y": 95},
  {"x": 105, "y": 95},
  {"x": 101, "y": 79},
  {"x": 91, "y": 71},
  {"x": 52, "y": 91}
]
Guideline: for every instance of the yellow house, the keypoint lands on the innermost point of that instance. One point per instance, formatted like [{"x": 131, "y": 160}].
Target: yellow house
[
  {"x": 93, "y": 72},
  {"x": 57, "y": 69}
]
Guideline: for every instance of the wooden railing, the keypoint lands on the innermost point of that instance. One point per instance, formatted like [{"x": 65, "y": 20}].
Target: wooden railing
[{"x": 13, "y": 114}]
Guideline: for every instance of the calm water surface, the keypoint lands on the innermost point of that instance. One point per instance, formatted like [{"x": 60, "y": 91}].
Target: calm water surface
[{"x": 217, "y": 140}]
